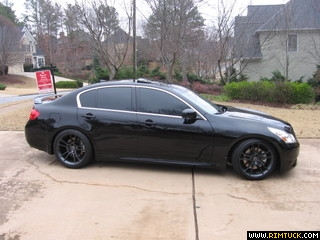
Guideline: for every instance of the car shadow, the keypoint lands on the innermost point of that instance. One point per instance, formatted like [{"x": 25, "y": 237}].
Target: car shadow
[{"x": 157, "y": 167}]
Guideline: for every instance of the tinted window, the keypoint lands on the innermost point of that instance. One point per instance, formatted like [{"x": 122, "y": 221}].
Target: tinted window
[
  {"x": 154, "y": 101},
  {"x": 116, "y": 98},
  {"x": 88, "y": 99}
]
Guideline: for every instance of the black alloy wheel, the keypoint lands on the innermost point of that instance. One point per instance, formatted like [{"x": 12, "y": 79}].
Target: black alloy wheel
[
  {"x": 254, "y": 159},
  {"x": 72, "y": 148}
]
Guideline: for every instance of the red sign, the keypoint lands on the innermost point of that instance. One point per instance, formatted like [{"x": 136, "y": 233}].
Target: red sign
[{"x": 44, "y": 81}]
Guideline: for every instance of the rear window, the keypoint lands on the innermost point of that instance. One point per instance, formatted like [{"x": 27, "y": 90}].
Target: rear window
[
  {"x": 89, "y": 99},
  {"x": 115, "y": 98}
]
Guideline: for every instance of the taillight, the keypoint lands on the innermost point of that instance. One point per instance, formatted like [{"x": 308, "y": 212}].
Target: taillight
[{"x": 34, "y": 114}]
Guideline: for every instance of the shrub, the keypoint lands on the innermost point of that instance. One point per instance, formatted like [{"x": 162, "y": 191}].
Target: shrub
[
  {"x": 282, "y": 93},
  {"x": 79, "y": 83},
  {"x": 67, "y": 84},
  {"x": 124, "y": 73},
  {"x": 156, "y": 73},
  {"x": 266, "y": 91},
  {"x": 302, "y": 93},
  {"x": 100, "y": 74},
  {"x": 192, "y": 77},
  {"x": 314, "y": 82},
  {"x": 177, "y": 75},
  {"x": 142, "y": 71},
  {"x": 2, "y": 86},
  {"x": 212, "y": 89},
  {"x": 28, "y": 67},
  {"x": 277, "y": 76},
  {"x": 236, "y": 90}
]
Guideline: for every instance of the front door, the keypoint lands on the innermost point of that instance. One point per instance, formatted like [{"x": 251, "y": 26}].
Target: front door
[{"x": 162, "y": 132}]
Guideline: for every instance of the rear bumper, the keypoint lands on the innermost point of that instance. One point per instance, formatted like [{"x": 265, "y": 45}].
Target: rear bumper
[{"x": 37, "y": 138}]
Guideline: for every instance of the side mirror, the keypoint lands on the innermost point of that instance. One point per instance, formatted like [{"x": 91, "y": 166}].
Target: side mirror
[{"x": 189, "y": 114}]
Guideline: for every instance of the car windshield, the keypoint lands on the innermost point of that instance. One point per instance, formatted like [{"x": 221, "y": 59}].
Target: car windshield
[{"x": 201, "y": 102}]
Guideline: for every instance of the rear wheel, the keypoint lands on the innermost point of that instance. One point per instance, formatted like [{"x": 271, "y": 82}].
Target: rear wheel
[
  {"x": 254, "y": 159},
  {"x": 72, "y": 148}
]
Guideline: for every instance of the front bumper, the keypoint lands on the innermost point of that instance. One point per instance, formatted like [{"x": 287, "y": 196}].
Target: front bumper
[{"x": 289, "y": 157}]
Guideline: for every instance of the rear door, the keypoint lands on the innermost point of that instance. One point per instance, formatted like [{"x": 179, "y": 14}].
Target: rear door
[{"x": 109, "y": 115}]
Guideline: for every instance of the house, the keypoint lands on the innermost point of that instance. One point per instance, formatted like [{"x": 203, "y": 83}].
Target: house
[
  {"x": 284, "y": 38},
  {"x": 71, "y": 54},
  {"x": 28, "y": 52}
]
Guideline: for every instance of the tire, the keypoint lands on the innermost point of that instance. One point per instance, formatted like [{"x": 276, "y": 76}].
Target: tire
[
  {"x": 72, "y": 148},
  {"x": 254, "y": 159}
]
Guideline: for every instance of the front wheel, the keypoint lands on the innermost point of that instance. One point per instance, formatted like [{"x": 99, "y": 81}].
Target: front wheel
[
  {"x": 254, "y": 159},
  {"x": 72, "y": 148}
]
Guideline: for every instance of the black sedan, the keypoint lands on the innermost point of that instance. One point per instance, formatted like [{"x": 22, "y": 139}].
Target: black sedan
[{"x": 153, "y": 122}]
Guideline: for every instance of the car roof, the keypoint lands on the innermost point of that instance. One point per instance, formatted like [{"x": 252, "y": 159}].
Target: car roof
[
  {"x": 177, "y": 89},
  {"x": 140, "y": 82}
]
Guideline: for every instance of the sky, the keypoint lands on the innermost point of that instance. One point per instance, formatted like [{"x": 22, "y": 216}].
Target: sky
[{"x": 206, "y": 7}]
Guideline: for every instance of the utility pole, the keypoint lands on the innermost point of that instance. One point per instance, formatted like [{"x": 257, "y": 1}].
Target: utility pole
[{"x": 134, "y": 47}]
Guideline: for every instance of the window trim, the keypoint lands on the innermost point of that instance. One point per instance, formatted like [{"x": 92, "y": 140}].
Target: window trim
[{"x": 135, "y": 101}]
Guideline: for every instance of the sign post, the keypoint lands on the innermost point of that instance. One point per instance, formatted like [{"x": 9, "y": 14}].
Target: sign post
[{"x": 52, "y": 68}]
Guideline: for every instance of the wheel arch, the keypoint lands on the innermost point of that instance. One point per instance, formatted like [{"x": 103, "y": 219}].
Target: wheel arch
[
  {"x": 56, "y": 133},
  {"x": 270, "y": 141}
]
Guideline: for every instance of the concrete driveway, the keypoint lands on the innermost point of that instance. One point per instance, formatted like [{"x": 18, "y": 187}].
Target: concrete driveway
[{"x": 40, "y": 199}]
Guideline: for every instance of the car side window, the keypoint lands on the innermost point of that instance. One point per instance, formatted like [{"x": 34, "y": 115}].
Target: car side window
[
  {"x": 89, "y": 99},
  {"x": 159, "y": 102},
  {"x": 115, "y": 98}
]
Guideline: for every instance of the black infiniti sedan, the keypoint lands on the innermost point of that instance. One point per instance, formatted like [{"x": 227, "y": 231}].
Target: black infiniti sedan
[{"x": 153, "y": 122}]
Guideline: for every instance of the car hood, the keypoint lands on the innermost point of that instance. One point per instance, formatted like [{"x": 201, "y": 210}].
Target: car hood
[{"x": 254, "y": 115}]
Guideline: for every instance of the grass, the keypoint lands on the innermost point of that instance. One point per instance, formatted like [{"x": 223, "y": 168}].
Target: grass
[
  {"x": 17, "y": 81},
  {"x": 216, "y": 98}
]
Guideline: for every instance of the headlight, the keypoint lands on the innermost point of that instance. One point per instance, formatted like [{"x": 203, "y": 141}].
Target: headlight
[{"x": 286, "y": 137}]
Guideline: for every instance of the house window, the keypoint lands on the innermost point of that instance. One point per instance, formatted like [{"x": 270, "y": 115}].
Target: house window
[
  {"x": 292, "y": 42},
  {"x": 26, "y": 48},
  {"x": 27, "y": 60}
]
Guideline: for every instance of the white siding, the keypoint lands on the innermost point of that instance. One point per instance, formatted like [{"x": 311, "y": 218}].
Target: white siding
[{"x": 301, "y": 63}]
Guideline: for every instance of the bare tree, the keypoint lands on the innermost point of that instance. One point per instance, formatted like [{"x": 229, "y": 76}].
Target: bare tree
[
  {"x": 175, "y": 26},
  {"x": 225, "y": 26},
  {"x": 73, "y": 47},
  {"x": 99, "y": 22},
  {"x": 239, "y": 41},
  {"x": 44, "y": 19},
  {"x": 9, "y": 44},
  {"x": 207, "y": 55},
  {"x": 224, "y": 46},
  {"x": 314, "y": 46}
]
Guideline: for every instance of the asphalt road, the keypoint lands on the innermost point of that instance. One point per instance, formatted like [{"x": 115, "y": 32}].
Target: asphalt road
[{"x": 41, "y": 199}]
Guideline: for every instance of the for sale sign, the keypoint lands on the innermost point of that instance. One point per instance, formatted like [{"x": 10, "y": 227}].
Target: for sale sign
[{"x": 44, "y": 81}]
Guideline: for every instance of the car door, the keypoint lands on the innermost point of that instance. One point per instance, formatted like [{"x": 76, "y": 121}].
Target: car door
[
  {"x": 109, "y": 115},
  {"x": 164, "y": 134}
]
